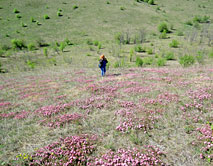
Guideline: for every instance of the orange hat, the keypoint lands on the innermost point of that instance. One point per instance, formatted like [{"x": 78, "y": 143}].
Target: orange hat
[{"x": 102, "y": 56}]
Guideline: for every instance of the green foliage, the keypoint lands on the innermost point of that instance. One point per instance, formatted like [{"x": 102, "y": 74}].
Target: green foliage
[
  {"x": 119, "y": 63},
  {"x": 75, "y": 7},
  {"x": 45, "y": 51},
  {"x": 38, "y": 23},
  {"x": 108, "y": 2},
  {"x": 149, "y": 51},
  {"x": 169, "y": 56},
  {"x": 88, "y": 54},
  {"x": 99, "y": 45},
  {"x": 23, "y": 25},
  {"x": 189, "y": 22},
  {"x": 68, "y": 42},
  {"x": 139, "y": 48},
  {"x": 199, "y": 19},
  {"x": 163, "y": 27},
  {"x": 89, "y": 42},
  {"x": 31, "y": 64},
  {"x": 187, "y": 60},
  {"x": 62, "y": 46},
  {"x": 119, "y": 38},
  {"x": 5, "y": 47},
  {"x": 18, "y": 16},
  {"x": 1, "y": 52},
  {"x": 174, "y": 44},
  {"x": 151, "y": 2},
  {"x": 18, "y": 44},
  {"x": 59, "y": 14},
  {"x": 210, "y": 54},
  {"x": 163, "y": 35},
  {"x": 32, "y": 19},
  {"x": 139, "y": 62},
  {"x": 180, "y": 33},
  {"x": 161, "y": 62},
  {"x": 16, "y": 10},
  {"x": 46, "y": 17},
  {"x": 41, "y": 43},
  {"x": 200, "y": 57},
  {"x": 122, "y": 8},
  {"x": 148, "y": 60},
  {"x": 31, "y": 47},
  {"x": 132, "y": 53},
  {"x": 96, "y": 42},
  {"x": 52, "y": 61}
]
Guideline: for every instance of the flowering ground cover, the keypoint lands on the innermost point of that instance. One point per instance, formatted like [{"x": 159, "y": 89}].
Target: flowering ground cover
[{"x": 133, "y": 116}]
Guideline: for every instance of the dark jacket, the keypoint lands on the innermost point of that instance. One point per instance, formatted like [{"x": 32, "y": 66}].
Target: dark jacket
[{"x": 102, "y": 63}]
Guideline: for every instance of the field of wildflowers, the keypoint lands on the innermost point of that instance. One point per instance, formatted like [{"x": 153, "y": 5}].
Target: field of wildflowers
[{"x": 133, "y": 116}]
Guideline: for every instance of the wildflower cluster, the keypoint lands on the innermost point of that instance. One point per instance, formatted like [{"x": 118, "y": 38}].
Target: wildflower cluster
[
  {"x": 61, "y": 120},
  {"x": 131, "y": 157},
  {"x": 15, "y": 115},
  {"x": 206, "y": 140},
  {"x": 73, "y": 150}
]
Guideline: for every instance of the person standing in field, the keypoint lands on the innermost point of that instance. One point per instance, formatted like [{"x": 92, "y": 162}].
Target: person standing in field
[{"x": 102, "y": 65}]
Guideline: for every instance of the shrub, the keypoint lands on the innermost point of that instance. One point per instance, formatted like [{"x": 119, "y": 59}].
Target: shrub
[
  {"x": 149, "y": 51},
  {"x": 18, "y": 16},
  {"x": 122, "y": 8},
  {"x": 108, "y": 2},
  {"x": 23, "y": 24},
  {"x": 5, "y": 47},
  {"x": 68, "y": 42},
  {"x": 169, "y": 56},
  {"x": 148, "y": 60},
  {"x": 38, "y": 23},
  {"x": 96, "y": 42},
  {"x": 151, "y": 2},
  {"x": 1, "y": 53},
  {"x": 163, "y": 35},
  {"x": 186, "y": 60},
  {"x": 33, "y": 20},
  {"x": 161, "y": 62},
  {"x": 31, "y": 47},
  {"x": 62, "y": 46},
  {"x": 99, "y": 45},
  {"x": 119, "y": 38},
  {"x": 163, "y": 27},
  {"x": 18, "y": 44},
  {"x": 139, "y": 62},
  {"x": 59, "y": 14},
  {"x": 88, "y": 54},
  {"x": 46, "y": 17},
  {"x": 205, "y": 19},
  {"x": 45, "y": 51},
  {"x": 75, "y": 7},
  {"x": 119, "y": 63},
  {"x": 189, "y": 23},
  {"x": 15, "y": 10},
  {"x": 139, "y": 48},
  {"x": 174, "y": 44},
  {"x": 210, "y": 54}
]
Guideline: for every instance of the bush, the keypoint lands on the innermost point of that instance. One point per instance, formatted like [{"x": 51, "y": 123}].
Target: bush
[
  {"x": 119, "y": 63},
  {"x": 174, "y": 44},
  {"x": 1, "y": 53},
  {"x": 122, "y": 8},
  {"x": 163, "y": 35},
  {"x": 59, "y": 14},
  {"x": 31, "y": 47},
  {"x": 186, "y": 60},
  {"x": 68, "y": 42},
  {"x": 163, "y": 27},
  {"x": 62, "y": 46},
  {"x": 5, "y": 47},
  {"x": 75, "y": 7},
  {"x": 38, "y": 23},
  {"x": 15, "y": 10},
  {"x": 180, "y": 33},
  {"x": 23, "y": 24},
  {"x": 99, "y": 45},
  {"x": 139, "y": 48},
  {"x": 46, "y": 17},
  {"x": 161, "y": 62},
  {"x": 18, "y": 16},
  {"x": 31, "y": 64},
  {"x": 148, "y": 60},
  {"x": 169, "y": 56},
  {"x": 41, "y": 43},
  {"x": 89, "y": 42},
  {"x": 132, "y": 53},
  {"x": 45, "y": 51},
  {"x": 149, "y": 51},
  {"x": 33, "y": 20},
  {"x": 108, "y": 2},
  {"x": 96, "y": 42},
  {"x": 151, "y": 2},
  {"x": 18, "y": 44},
  {"x": 189, "y": 23},
  {"x": 139, "y": 62}
]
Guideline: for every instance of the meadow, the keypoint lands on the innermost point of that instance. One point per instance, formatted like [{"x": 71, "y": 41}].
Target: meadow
[{"x": 153, "y": 107}]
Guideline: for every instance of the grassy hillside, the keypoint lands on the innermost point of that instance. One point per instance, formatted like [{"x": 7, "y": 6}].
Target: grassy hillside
[{"x": 154, "y": 107}]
